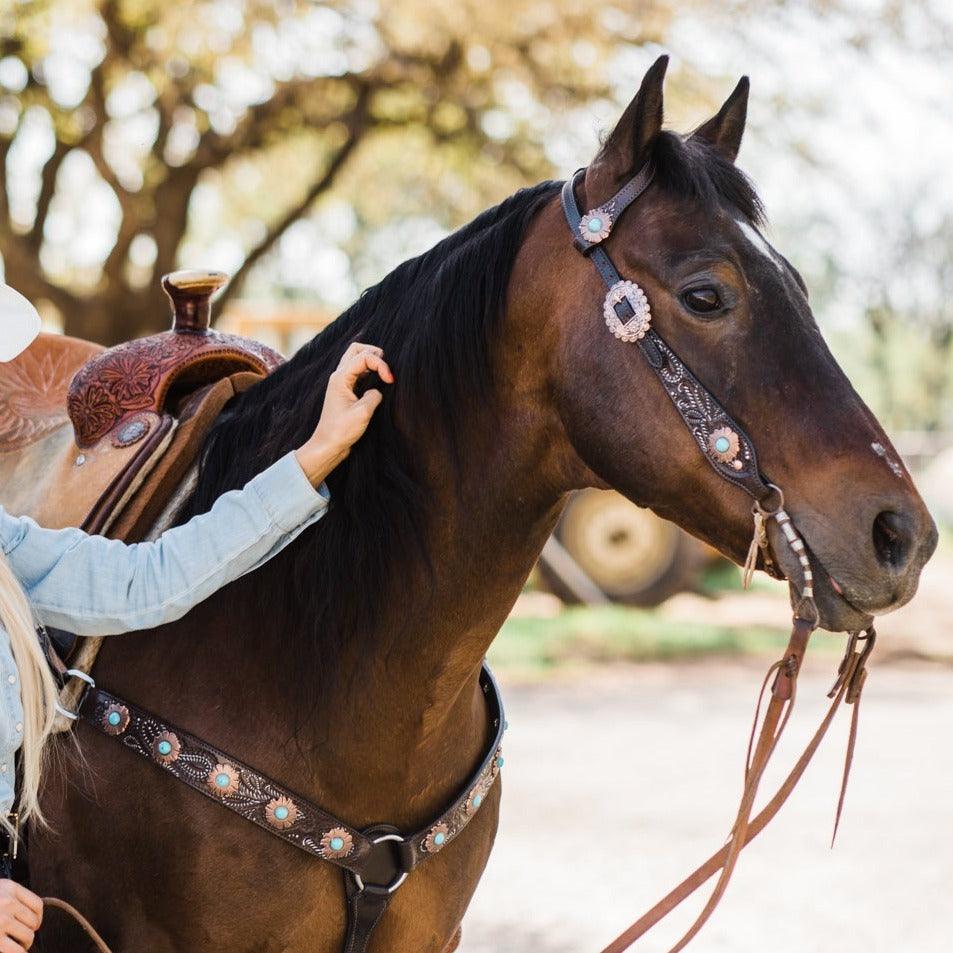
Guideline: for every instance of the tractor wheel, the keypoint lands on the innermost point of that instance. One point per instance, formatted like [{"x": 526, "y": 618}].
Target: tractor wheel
[{"x": 633, "y": 555}]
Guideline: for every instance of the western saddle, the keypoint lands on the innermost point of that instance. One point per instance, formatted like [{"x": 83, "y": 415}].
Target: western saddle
[{"x": 105, "y": 439}]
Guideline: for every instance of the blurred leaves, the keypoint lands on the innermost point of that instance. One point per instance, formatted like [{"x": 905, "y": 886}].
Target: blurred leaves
[
  {"x": 131, "y": 111},
  {"x": 309, "y": 147}
]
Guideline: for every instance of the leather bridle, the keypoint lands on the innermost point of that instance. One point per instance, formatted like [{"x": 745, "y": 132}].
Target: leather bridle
[{"x": 731, "y": 453}]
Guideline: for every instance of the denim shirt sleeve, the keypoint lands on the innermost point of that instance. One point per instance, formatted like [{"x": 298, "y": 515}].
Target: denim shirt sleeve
[{"x": 90, "y": 585}]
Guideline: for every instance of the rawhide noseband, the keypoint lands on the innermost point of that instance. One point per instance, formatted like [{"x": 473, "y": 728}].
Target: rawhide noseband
[{"x": 731, "y": 453}]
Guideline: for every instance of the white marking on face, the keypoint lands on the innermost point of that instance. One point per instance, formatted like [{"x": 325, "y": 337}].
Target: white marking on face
[
  {"x": 760, "y": 243},
  {"x": 881, "y": 452}
]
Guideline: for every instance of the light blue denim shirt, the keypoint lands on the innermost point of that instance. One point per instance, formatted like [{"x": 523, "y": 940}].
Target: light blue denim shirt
[{"x": 91, "y": 585}]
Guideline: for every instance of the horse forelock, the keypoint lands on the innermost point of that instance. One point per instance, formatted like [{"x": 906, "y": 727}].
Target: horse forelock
[{"x": 692, "y": 168}]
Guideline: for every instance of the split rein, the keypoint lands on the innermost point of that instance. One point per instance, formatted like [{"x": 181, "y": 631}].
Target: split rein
[
  {"x": 730, "y": 451},
  {"x": 847, "y": 688}
]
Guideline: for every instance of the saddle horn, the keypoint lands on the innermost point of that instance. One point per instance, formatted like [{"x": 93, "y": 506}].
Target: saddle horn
[{"x": 191, "y": 293}]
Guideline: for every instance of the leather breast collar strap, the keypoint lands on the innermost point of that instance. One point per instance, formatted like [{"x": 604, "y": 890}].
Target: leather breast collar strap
[
  {"x": 730, "y": 451},
  {"x": 375, "y": 860}
]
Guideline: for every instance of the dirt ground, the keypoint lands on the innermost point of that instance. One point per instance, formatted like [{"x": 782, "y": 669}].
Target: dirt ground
[
  {"x": 619, "y": 781},
  {"x": 616, "y": 787}
]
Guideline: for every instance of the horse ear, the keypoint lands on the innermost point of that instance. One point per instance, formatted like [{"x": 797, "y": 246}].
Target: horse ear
[
  {"x": 725, "y": 129},
  {"x": 629, "y": 145}
]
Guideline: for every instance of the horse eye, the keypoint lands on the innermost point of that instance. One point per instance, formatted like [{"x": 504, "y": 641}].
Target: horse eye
[{"x": 702, "y": 300}]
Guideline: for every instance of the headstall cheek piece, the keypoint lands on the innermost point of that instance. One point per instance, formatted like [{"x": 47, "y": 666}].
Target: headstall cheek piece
[{"x": 731, "y": 453}]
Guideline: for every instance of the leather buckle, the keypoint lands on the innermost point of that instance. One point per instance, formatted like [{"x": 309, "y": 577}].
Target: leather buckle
[
  {"x": 404, "y": 867},
  {"x": 90, "y": 685}
]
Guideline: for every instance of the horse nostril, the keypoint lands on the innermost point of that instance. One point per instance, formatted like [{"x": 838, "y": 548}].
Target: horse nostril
[{"x": 892, "y": 540}]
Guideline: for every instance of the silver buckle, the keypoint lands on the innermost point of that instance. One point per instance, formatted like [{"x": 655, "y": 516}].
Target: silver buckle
[
  {"x": 390, "y": 888},
  {"x": 90, "y": 683}
]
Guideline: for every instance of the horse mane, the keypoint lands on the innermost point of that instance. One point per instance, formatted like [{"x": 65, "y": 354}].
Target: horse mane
[
  {"x": 436, "y": 317},
  {"x": 692, "y": 168}
]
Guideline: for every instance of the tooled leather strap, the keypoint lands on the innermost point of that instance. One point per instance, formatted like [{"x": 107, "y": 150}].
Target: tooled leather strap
[
  {"x": 698, "y": 408},
  {"x": 281, "y": 811},
  {"x": 848, "y": 688}
]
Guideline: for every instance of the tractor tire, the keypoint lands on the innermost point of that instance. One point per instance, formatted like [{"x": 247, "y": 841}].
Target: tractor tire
[{"x": 632, "y": 555}]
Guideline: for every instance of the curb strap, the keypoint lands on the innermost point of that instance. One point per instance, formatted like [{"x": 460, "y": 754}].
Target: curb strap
[
  {"x": 849, "y": 685},
  {"x": 376, "y": 860}
]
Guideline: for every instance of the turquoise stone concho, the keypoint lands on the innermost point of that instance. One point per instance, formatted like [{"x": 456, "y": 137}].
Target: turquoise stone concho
[
  {"x": 596, "y": 225},
  {"x": 337, "y": 842},
  {"x": 437, "y": 837},
  {"x": 166, "y": 747},
  {"x": 281, "y": 813},
  {"x": 224, "y": 780},
  {"x": 115, "y": 719},
  {"x": 724, "y": 445}
]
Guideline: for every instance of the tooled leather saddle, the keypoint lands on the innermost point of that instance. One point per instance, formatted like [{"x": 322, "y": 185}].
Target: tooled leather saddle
[{"x": 103, "y": 438}]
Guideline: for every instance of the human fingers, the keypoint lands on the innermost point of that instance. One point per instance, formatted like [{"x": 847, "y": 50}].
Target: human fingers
[
  {"x": 356, "y": 347},
  {"x": 369, "y": 402},
  {"x": 13, "y": 929},
  {"x": 8, "y": 944},
  {"x": 29, "y": 899},
  {"x": 363, "y": 363}
]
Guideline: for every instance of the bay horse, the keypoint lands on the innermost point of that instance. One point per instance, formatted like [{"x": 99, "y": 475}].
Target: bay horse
[{"x": 347, "y": 668}]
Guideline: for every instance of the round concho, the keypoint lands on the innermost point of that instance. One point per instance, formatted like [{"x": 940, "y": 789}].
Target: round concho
[
  {"x": 436, "y": 838},
  {"x": 337, "y": 842},
  {"x": 131, "y": 432},
  {"x": 723, "y": 444},
  {"x": 475, "y": 800},
  {"x": 595, "y": 225},
  {"x": 281, "y": 812},
  {"x": 223, "y": 780},
  {"x": 115, "y": 719},
  {"x": 166, "y": 747},
  {"x": 634, "y": 329}
]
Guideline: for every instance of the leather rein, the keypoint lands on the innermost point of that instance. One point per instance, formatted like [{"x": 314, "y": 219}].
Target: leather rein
[{"x": 731, "y": 453}]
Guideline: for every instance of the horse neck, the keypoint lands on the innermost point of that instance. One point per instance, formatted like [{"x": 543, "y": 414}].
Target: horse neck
[{"x": 494, "y": 501}]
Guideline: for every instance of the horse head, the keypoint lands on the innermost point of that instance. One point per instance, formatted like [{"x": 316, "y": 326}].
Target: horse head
[{"x": 738, "y": 315}]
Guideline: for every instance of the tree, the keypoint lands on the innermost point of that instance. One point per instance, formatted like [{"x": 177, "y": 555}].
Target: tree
[{"x": 155, "y": 99}]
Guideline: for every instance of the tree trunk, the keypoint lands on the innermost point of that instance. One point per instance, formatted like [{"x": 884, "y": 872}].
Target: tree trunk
[{"x": 112, "y": 319}]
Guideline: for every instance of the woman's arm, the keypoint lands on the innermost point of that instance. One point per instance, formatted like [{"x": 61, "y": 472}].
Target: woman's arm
[{"x": 90, "y": 585}]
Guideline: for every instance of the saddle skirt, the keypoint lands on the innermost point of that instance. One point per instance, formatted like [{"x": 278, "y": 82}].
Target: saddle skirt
[{"x": 103, "y": 439}]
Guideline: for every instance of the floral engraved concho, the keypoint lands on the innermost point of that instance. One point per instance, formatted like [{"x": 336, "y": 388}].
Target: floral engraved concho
[
  {"x": 634, "y": 329},
  {"x": 596, "y": 225}
]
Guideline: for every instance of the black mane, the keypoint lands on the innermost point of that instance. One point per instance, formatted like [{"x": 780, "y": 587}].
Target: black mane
[
  {"x": 692, "y": 168},
  {"x": 436, "y": 317}
]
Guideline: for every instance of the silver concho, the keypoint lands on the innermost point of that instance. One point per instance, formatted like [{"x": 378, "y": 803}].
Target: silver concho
[
  {"x": 596, "y": 225},
  {"x": 634, "y": 329}
]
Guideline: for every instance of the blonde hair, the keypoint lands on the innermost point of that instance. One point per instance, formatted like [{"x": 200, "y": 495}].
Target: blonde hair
[{"x": 38, "y": 692}]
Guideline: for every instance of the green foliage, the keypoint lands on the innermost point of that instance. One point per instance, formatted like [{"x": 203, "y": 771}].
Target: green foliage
[{"x": 612, "y": 634}]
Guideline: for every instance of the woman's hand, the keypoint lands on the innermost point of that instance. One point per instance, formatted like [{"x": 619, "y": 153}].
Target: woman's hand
[
  {"x": 21, "y": 913},
  {"x": 345, "y": 416}
]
